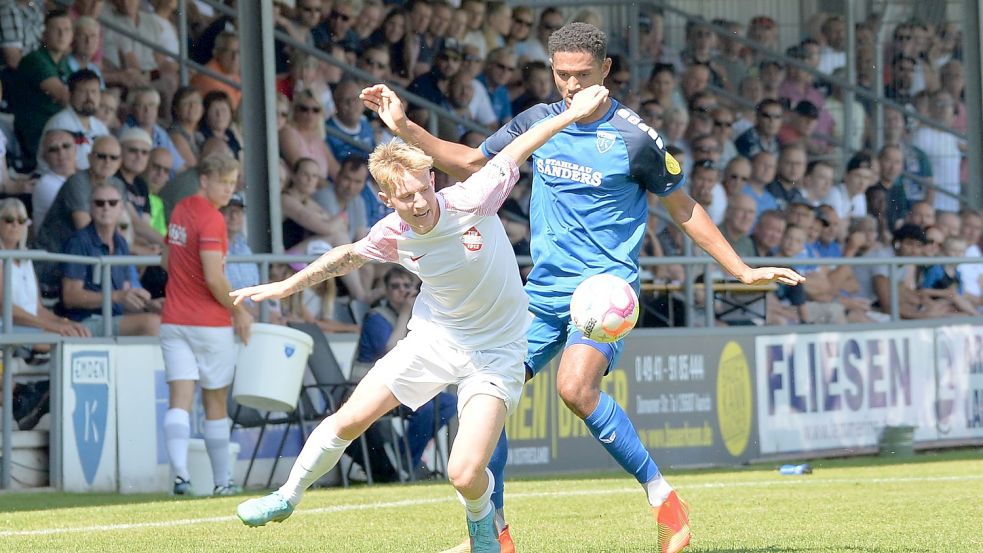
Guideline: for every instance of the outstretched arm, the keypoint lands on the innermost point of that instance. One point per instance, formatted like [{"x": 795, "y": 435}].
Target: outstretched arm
[
  {"x": 336, "y": 262},
  {"x": 456, "y": 160},
  {"x": 697, "y": 224}
]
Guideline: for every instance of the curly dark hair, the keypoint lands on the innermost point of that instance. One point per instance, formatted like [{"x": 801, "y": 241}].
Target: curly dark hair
[{"x": 579, "y": 37}]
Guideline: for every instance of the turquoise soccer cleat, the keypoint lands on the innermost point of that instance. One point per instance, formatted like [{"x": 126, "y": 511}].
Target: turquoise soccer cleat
[
  {"x": 269, "y": 508},
  {"x": 482, "y": 534}
]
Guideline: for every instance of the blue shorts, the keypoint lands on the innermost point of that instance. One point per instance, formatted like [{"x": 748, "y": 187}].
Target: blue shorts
[{"x": 546, "y": 339}]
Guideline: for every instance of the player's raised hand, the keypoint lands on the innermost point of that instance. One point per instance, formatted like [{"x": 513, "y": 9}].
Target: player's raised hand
[
  {"x": 588, "y": 100},
  {"x": 271, "y": 291},
  {"x": 382, "y": 100},
  {"x": 766, "y": 275}
]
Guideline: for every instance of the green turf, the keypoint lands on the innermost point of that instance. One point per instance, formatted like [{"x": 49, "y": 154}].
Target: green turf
[{"x": 931, "y": 504}]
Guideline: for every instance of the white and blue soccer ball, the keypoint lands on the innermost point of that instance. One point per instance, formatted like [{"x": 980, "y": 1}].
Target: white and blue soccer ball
[{"x": 604, "y": 308}]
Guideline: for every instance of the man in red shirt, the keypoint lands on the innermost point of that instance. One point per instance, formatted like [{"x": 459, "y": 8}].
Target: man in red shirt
[{"x": 196, "y": 334}]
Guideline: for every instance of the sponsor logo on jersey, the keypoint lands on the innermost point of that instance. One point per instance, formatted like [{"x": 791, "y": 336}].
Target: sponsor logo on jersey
[
  {"x": 605, "y": 140},
  {"x": 672, "y": 165},
  {"x": 568, "y": 170},
  {"x": 472, "y": 240}
]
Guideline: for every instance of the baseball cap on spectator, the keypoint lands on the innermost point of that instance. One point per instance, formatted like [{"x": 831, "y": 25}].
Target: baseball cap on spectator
[
  {"x": 314, "y": 247},
  {"x": 451, "y": 46},
  {"x": 910, "y": 231},
  {"x": 136, "y": 134},
  {"x": 806, "y": 108},
  {"x": 860, "y": 160}
]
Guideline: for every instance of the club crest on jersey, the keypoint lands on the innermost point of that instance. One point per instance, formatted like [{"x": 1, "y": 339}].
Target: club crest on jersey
[
  {"x": 472, "y": 239},
  {"x": 605, "y": 140}
]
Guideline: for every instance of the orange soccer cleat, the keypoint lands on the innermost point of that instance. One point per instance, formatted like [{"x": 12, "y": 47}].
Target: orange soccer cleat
[{"x": 672, "y": 518}]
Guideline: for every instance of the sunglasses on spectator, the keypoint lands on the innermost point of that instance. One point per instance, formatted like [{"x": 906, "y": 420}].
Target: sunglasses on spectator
[
  {"x": 104, "y": 156},
  {"x": 53, "y": 149},
  {"x": 104, "y": 203},
  {"x": 141, "y": 151},
  {"x": 10, "y": 219},
  {"x": 341, "y": 16},
  {"x": 308, "y": 109}
]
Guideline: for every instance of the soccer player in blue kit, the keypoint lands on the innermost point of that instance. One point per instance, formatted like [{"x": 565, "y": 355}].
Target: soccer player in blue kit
[{"x": 587, "y": 214}]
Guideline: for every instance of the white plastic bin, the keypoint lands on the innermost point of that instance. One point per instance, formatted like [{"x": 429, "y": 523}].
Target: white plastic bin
[{"x": 270, "y": 370}]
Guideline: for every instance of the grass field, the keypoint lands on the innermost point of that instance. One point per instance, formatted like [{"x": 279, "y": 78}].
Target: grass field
[{"x": 933, "y": 503}]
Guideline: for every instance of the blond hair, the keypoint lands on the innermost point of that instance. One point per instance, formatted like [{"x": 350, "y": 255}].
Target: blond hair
[{"x": 389, "y": 162}]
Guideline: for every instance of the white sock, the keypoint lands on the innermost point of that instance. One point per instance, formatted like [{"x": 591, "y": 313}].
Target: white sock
[
  {"x": 657, "y": 490},
  {"x": 477, "y": 509},
  {"x": 217, "y": 444},
  {"x": 177, "y": 432},
  {"x": 320, "y": 454}
]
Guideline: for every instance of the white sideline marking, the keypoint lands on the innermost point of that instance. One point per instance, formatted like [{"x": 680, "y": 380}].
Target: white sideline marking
[{"x": 511, "y": 496}]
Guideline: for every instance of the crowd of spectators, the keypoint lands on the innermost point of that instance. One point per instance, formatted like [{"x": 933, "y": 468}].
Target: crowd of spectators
[{"x": 100, "y": 142}]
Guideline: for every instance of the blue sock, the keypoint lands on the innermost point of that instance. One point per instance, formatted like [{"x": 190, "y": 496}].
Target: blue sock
[
  {"x": 497, "y": 467},
  {"x": 610, "y": 425}
]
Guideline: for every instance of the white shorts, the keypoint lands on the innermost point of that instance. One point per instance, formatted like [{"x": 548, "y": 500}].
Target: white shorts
[
  {"x": 418, "y": 368},
  {"x": 204, "y": 353}
]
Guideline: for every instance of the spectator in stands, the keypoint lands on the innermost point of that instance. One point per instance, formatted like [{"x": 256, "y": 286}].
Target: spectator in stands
[
  {"x": 217, "y": 121},
  {"x": 764, "y": 135},
  {"x": 921, "y": 215},
  {"x": 197, "y": 331},
  {"x": 157, "y": 176},
  {"x": 337, "y": 27},
  {"x": 144, "y": 107},
  {"x": 972, "y": 231},
  {"x": 538, "y": 89},
  {"x": 186, "y": 114},
  {"x": 833, "y": 55},
  {"x": 78, "y": 117},
  {"x": 134, "y": 312},
  {"x": 121, "y": 52},
  {"x": 736, "y": 175},
  {"x": 763, "y": 169},
  {"x": 21, "y": 30},
  {"x": 58, "y": 153},
  {"x": 30, "y": 315},
  {"x": 239, "y": 275},
  {"x": 902, "y": 79},
  {"x": 662, "y": 87},
  {"x": 304, "y": 135},
  {"x": 787, "y": 186},
  {"x": 801, "y": 128},
  {"x": 384, "y": 326},
  {"x": 351, "y": 121},
  {"x": 86, "y": 46},
  {"x": 848, "y": 198},
  {"x": 768, "y": 232},
  {"x": 40, "y": 91},
  {"x": 225, "y": 62},
  {"x": 108, "y": 110},
  {"x": 738, "y": 222},
  {"x": 817, "y": 182},
  {"x": 433, "y": 86},
  {"x": 500, "y": 69},
  {"x": 944, "y": 152}
]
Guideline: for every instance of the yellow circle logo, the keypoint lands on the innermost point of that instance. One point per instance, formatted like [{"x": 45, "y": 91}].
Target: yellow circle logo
[
  {"x": 672, "y": 165},
  {"x": 734, "y": 401}
]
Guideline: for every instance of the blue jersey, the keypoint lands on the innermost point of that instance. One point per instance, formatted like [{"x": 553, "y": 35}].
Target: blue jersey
[{"x": 588, "y": 208}]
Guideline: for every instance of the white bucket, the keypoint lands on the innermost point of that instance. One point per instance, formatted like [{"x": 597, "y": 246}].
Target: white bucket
[
  {"x": 270, "y": 370},
  {"x": 200, "y": 466}
]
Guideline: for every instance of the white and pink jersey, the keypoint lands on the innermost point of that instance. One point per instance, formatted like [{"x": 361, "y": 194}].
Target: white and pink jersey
[{"x": 472, "y": 296}]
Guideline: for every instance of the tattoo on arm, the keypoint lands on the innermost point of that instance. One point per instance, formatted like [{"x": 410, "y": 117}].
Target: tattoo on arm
[{"x": 337, "y": 262}]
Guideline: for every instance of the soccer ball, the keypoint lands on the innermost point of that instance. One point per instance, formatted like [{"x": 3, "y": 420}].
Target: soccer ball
[{"x": 604, "y": 308}]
